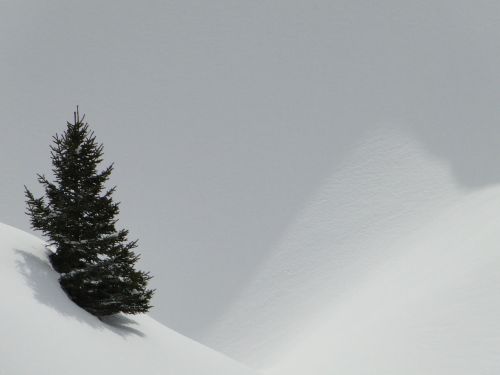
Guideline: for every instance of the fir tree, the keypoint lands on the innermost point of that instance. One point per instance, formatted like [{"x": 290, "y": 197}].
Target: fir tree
[{"x": 78, "y": 216}]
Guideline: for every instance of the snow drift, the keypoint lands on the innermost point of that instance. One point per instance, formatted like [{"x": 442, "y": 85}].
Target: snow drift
[
  {"x": 430, "y": 309},
  {"x": 43, "y": 332},
  {"x": 390, "y": 269}
]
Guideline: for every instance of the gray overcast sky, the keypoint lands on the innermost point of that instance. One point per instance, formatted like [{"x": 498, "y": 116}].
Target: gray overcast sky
[{"x": 224, "y": 116}]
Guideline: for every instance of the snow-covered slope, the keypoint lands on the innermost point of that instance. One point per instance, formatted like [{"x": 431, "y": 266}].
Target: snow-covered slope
[
  {"x": 390, "y": 269},
  {"x": 44, "y": 333},
  {"x": 430, "y": 309}
]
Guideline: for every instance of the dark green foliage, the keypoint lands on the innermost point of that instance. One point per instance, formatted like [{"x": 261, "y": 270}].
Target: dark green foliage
[{"x": 78, "y": 215}]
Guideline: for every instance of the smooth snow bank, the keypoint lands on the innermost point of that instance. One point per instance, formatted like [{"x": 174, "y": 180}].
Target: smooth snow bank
[
  {"x": 43, "y": 332},
  {"x": 432, "y": 309},
  {"x": 390, "y": 269}
]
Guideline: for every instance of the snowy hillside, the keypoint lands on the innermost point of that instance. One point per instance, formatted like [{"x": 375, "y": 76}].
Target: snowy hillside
[
  {"x": 430, "y": 309},
  {"x": 44, "y": 333},
  {"x": 391, "y": 268}
]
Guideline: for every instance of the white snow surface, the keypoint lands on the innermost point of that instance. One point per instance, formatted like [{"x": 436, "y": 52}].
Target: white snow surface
[
  {"x": 44, "y": 333},
  {"x": 430, "y": 309},
  {"x": 391, "y": 268}
]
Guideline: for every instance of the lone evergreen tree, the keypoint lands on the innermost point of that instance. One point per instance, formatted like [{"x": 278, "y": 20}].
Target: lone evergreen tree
[{"x": 78, "y": 215}]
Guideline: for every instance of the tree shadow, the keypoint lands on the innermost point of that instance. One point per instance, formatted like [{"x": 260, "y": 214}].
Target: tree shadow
[
  {"x": 43, "y": 281},
  {"x": 121, "y": 324}
]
